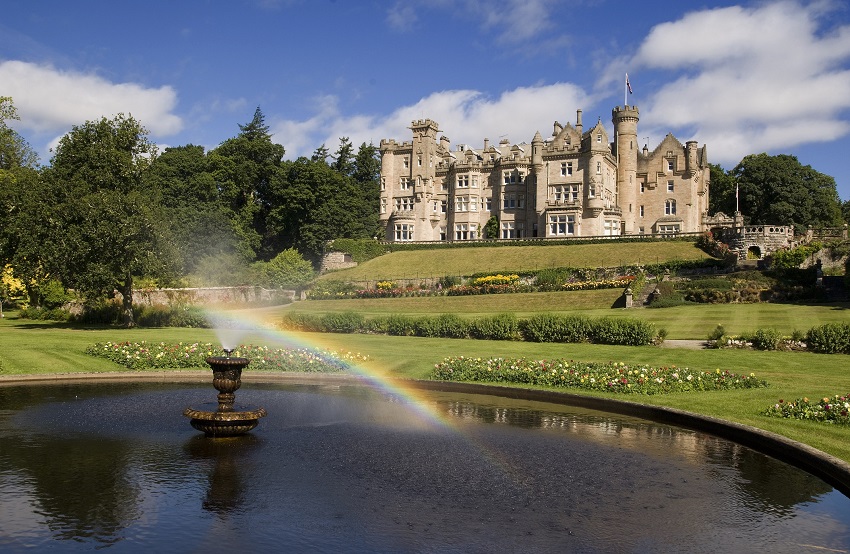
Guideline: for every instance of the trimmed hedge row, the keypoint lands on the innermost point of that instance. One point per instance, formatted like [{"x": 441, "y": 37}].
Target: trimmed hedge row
[{"x": 543, "y": 327}]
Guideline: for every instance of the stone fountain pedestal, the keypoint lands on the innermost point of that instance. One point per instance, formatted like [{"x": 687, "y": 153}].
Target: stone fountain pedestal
[{"x": 229, "y": 419}]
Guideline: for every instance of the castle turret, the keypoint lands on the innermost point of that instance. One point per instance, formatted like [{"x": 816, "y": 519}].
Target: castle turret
[
  {"x": 625, "y": 121},
  {"x": 537, "y": 152}
]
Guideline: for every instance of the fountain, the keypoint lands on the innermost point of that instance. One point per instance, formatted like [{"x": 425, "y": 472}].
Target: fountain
[{"x": 227, "y": 420}]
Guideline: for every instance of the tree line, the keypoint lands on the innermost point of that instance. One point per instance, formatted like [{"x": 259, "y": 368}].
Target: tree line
[{"x": 110, "y": 213}]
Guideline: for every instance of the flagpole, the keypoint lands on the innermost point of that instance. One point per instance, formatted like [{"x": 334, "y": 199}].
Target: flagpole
[{"x": 626, "y": 91}]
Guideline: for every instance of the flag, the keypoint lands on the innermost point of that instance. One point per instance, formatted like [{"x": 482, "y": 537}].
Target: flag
[{"x": 628, "y": 84}]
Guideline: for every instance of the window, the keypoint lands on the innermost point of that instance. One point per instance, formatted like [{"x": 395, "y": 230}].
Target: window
[
  {"x": 565, "y": 193},
  {"x": 563, "y": 169},
  {"x": 591, "y": 190},
  {"x": 508, "y": 230},
  {"x": 404, "y": 204},
  {"x": 444, "y": 185},
  {"x": 510, "y": 178},
  {"x": 406, "y": 162},
  {"x": 461, "y": 203},
  {"x": 670, "y": 165},
  {"x": 404, "y": 232},
  {"x": 475, "y": 181},
  {"x": 404, "y": 183},
  {"x": 641, "y": 210},
  {"x": 561, "y": 225},
  {"x": 419, "y": 161},
  {"x": 462, "y": 181},
  {"x": 383, "y": 205},
  {"x": 466, "y": 231},
  {"x": 383, "y": 183},
  {"x": 670, "y": 207},
  {"x": 611, "y": 227},
  {"x": 670, "y": 186},
  {"x": 443, "y": 206},
  {"x": 436, "y": 206},
  {"x": 489, "y": 204},
  {"x": 641, "y": 231},
  {"x": 598, "y": 168},
  {"x": 642, "y": 187},
  {"x": 668, "y": 229},
  {"x": 442, "y": 233},
  {"x": 511, "y": 201},
  {"x": 598, "y": 138}
]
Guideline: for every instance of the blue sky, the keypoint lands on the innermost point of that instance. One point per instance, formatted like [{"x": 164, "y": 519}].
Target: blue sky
[{"x": 742, "y": 77}]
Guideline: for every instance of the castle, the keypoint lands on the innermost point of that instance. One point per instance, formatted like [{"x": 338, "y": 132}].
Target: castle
[{"x": 576, "y": 183}]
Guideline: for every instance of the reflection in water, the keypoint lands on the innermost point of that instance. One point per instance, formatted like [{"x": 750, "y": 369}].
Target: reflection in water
[
  {"x": 226, "y": 491},
  {"x": 345, "y": 468}
]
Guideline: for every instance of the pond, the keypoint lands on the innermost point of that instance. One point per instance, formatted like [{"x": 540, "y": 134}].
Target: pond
[{"x": 338, "y": 466}]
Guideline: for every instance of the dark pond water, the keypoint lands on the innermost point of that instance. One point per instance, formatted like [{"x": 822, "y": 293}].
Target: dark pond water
[{"x": 345, "y": 468}]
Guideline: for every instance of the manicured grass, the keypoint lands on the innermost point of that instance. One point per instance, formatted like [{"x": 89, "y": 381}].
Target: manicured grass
[
  {"x": 693, "y": 321},
  {"x": 32, "y": 347},
  {"x": 422, "y": 264}
]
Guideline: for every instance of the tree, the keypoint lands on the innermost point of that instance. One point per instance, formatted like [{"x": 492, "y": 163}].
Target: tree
[
  {"x": 199, "y": 219},
  {"x": 15, "y": 152},
  {"x": 104, "y": 226},
  {"x": 780, "y": 190},
  {"x": 367, "y": 175},
  {"x": 287, "y": 269},
  {"x": 491, "y": 229},
  {"x": 721, "y": 196},
  {"x": 244, "y": 168},
  {"x": 845, "y": 211},
  {"x": 344, "y": 157}
]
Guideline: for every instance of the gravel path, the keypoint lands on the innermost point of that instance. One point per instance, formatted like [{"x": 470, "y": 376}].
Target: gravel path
[{"x": 689, "y": 344}]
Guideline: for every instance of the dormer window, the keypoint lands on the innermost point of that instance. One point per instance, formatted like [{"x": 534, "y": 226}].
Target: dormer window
[
  {"x": 598, "y": 138},
  {"x": 670, "y": 165}
]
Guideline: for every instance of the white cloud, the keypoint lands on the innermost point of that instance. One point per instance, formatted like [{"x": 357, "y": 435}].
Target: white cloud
[
  {"x": 50, "y": 100},
  {"x": 465, "y": 116},
  {"x": 752, "y": 79}
]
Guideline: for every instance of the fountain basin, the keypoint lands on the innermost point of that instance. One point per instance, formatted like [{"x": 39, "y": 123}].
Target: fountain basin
[{"x": 226, "y": 419}]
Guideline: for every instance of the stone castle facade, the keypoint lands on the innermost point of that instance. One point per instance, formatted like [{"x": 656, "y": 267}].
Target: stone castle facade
[{"x": 576, "y": 183}]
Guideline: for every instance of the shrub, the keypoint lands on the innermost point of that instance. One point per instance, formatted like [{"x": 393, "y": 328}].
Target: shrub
[
  {"x": 342, "y": 322},
  {"x": 496, "y": 327},
  {"x": 622, "y": 331},
  {"x": 361, "y": 250},
  {"x": 717, "y": 333},
  {"x": 831, "y": 338},
  {"x": 766, "y": 339},
  {"x": 399, "y": 326},
  {"x": 556, "y": 328},
  {"x": 301, "y": 321},
  {"x": 444, "y": 325},
  {"x": 44, "y": 314}
]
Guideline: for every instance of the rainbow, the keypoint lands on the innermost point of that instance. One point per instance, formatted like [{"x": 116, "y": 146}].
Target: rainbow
[{"x": 234, "y": 327}]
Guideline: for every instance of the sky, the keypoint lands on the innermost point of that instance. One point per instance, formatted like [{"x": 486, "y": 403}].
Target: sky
[{"x": 741, "y": 77}]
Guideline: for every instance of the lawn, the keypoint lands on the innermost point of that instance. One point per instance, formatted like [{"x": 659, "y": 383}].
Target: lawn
[{"x": 31, "y": 347}]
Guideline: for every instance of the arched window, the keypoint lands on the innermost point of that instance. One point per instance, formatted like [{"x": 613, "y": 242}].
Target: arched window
[{"x": 670, "y": 207}]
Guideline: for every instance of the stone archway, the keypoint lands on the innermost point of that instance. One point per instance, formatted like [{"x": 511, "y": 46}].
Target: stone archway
[{"x": 754, "y": 252}]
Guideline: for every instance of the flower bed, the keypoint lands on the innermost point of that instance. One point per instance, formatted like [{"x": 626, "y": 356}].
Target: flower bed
[
  {"x": 620, "y": 282},
  {"x": 614, "y": 377},
  {"x": 147, "y": 356},
  {"x": 835, "y": 410}
]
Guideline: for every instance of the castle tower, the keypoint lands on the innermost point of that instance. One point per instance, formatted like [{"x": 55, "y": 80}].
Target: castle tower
[{"x": 625, "y": 121}]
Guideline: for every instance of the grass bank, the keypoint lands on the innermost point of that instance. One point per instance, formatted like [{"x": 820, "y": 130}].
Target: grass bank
[
  {"x": 422, "y": 264},
  {"x": 37, "y": 348}
]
